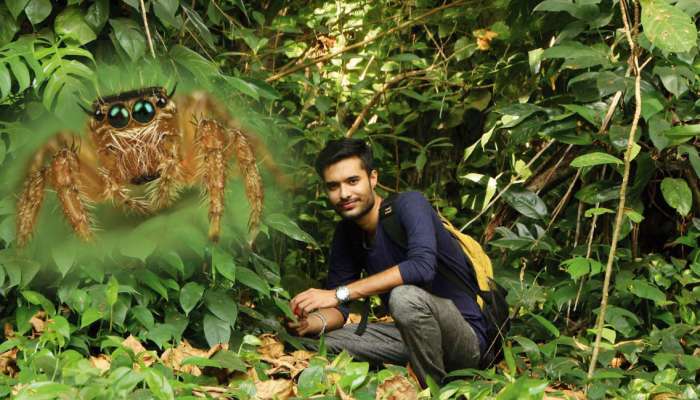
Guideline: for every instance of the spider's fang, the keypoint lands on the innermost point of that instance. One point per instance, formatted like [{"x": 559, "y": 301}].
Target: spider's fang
[
  {"x": 88, "y": 112},
  {"x": 172, "y": 92}
]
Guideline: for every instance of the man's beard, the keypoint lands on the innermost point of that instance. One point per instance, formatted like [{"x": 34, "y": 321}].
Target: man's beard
[{"x": 362, "y": 213}]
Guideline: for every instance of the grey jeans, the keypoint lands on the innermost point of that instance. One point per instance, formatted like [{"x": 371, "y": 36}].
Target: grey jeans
[{"x": 428, "y": 331}]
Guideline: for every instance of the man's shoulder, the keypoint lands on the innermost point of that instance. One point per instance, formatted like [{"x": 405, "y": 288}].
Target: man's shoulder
[{"x": 411, "y": 200}]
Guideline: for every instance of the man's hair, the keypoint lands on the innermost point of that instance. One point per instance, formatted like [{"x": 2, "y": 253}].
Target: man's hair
[{"x": 340, "y": 149}]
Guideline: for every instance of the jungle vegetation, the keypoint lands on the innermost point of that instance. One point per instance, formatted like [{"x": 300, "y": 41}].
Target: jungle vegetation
[{"x": 562, "y": 134}]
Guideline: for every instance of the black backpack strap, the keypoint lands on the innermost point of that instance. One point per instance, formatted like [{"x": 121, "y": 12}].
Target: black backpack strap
[{"x": 392, "y": 226}]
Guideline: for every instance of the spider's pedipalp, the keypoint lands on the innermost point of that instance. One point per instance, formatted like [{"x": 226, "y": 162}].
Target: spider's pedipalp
[
  {"x": 251, "y": 176},
  {"x": 29, "y": 204}
]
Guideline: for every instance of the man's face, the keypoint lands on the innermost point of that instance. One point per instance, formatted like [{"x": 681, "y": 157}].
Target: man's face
[{"x": 349, "y": 188}]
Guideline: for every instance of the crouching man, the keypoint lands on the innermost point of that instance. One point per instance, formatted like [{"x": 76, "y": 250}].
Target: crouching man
[{"x": 437, "y": 326}]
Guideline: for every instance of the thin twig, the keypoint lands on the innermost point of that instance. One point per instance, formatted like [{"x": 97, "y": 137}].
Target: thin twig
[
  {"x": 358, "y": 45},
  {"x": 148, "y": 31},
  {"x": 623, "y": 188},
  {"x": 393, "y": 82}
]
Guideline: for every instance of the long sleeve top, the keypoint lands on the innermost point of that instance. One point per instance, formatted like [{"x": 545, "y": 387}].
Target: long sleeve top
[{"x": 428, "y": 243}]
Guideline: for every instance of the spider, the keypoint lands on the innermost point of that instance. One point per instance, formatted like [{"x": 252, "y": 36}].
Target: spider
[{"x": 142, "y": 137}]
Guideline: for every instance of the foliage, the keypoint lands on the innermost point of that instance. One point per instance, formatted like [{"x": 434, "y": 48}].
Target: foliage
[{"x": 511, "y": 115}]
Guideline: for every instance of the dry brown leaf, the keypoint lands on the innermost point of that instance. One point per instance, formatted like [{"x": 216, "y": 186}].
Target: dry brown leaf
[
  {"x": 173, "y": 357},
  {"x": 396, "y": 388},
  {"x": 216, "y": 392},
  {"x": 484, "y": 38},
  {"x": 302, "y": 355},
  {"x": 38, "y": 322},
  {"x": 566, "y": 393},
  {"x": 8, "y": 362},
  {"x": 133, "y": 344},
  {"x": 342, "y": 394},
  {"x": 9, "y": 331},
  {"x": 271, "y": 346},
  {"x": 101, "y": 362},
  {"x": 278, "y": 389}
]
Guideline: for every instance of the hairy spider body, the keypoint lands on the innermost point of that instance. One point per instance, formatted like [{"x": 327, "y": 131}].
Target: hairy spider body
[{"x": 142, "y": 137}]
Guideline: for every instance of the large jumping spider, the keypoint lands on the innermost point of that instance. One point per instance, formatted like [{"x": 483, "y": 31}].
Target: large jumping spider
[{"x": 139, "y": 137}]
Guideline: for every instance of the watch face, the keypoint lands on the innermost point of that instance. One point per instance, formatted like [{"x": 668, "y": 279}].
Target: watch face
[{"x": 343, "y": 293}]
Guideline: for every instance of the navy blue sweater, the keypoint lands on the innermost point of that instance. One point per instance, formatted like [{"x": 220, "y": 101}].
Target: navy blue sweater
[{"x": 428, "y": 242}]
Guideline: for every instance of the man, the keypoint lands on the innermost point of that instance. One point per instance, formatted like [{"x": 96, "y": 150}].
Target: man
[{"x": 437, "y": 326}]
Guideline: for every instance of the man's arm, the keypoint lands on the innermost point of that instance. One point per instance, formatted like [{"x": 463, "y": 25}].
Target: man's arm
[
  {"x": 313, "y": 324},
  {"x": 313, "y": 299}
]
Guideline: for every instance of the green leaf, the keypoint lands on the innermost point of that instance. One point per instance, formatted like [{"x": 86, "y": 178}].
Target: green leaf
[
  {"x": 71, "y": 26},
  {"x": 252, "y": 280},
  {"x": 200, "y": 67},
  {"x": 526, "y": 203},
  {"x": 201, "y": 362},
  {"x": 21, "y": 73},
  {"x": 596, "y": 158},
  {"x": 5, "y": 81},
  {"x": 64, "y": 257},
  {"x": 138, "y": 246},
  {"x": 693, "y": 157},
  {"x": 643, "y": 289},
  {"x": 677, "y": 194},
  {"x": 230, "y": 360},
  {"x": 284, "y": 224},
  {"x": 159, "y": 384},
  {"x": 39, "y": 300},
  {"x": 153, "y": 281},
  {"x": 16, "y": 7},
  {"x": 223, "y": 263},
  {"x": 190, "y": 294},
  {"x": 242, "y": 86},
  {"x": 683, "y": 131},
  {"x": 129, "y": 36},
  {"x": 97, "y": 15},
  {"x": 60, "y": 325},
  {"x": 165, "y": 11},
  {"x": 8, "y": 27},
  {"x": 548, "y": 325},
  {"x": 89, "y": 316},
  {"x": 668, "y": 27},
  {"x": 112, "y": 291},
  {"x": 221, "y": 304},
  {"x": 38, "y": 10},
  {"x": 590, "y": 115},
  {"x": 216, "y": 330},
  {"x": 144, "y": 316},
  {"x": 312, "y": 380},
  {"x": 199, "y": 25}
]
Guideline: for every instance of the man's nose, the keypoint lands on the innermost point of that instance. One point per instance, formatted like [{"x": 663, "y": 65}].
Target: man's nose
[{"x": 344, "y": 192}]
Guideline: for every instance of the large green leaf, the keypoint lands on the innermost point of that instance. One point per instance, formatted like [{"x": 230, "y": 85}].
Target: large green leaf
[
  {"x": 526, "y": 202},
  {"x": 38, "y": 10},
  {"x": 221, "y": 304},
  {"x": 16, "y": 7},
  {"x": 97, "y": 15},
  {"x": 130, "y": 37},
  {"x": 190, "y": 294},
  {"x": 249, "y": 278},
  {"x": 285, "y": 225},
  {"x": 643, "y": 289},
  {"x": 312, "y": 380},
  {"x": 223, "y": 263},
  {"x": 216, "y": 330},
  {"x": 677, "y": 194},
  {"x": 668, "y": 27},
  {"x": 8, "y": 26},
  {"x": 70, "y": 25},
  {"x": 596, "y": 158}
]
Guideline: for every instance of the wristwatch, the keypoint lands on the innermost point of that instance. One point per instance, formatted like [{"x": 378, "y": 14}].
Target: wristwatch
[{"x": 342, "y": 293}]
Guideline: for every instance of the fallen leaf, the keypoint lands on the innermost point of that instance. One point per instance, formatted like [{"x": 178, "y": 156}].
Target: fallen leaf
[
  {"x": 278, "y": 389},
  {"x": 8, "y": 362},
  {"x": 173, "y": 357},
  {"x": 38, "y": 322},
  {"x": 9, "y": 331},
  {"x": 216, "y": 392},
  {"x": 396, "y": 388},
  {"x": 271, "y": 346},
  {"x": 133, "y": 344},
  {"x": 101, "y": 362}
]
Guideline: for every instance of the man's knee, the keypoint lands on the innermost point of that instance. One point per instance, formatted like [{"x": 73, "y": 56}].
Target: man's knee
[{"x": 407, "y": 302}]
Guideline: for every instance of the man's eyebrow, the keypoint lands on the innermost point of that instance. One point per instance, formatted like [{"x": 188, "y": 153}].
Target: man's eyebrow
[{"x": 352, "y": 177}]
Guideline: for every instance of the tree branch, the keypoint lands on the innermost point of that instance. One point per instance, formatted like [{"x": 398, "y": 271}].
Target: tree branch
[
  {"x": 148, "y": 32},
  {"x": 358, "y": 45}
]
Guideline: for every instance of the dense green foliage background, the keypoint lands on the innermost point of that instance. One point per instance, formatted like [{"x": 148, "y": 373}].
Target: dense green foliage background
[{"x": 512, "y": 116}]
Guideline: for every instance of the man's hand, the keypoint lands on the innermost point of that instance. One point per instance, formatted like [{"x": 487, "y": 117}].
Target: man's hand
[
  {"x": 306, "y": 326},
  {"x": 313, "y": 299}
]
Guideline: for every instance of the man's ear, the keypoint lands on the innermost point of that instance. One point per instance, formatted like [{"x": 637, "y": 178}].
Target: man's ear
[{"x": 373, "y": 178}]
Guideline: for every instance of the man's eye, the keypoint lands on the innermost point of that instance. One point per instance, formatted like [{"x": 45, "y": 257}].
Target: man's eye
[
  {"x": 332, "y": 186},
  {"x": 354, "y": 181}
]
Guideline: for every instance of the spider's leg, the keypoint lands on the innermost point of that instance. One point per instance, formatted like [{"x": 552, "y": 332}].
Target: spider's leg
[
  {"x": 211, "y": 145},
  {"x": 251, "y": 176},
  {"x": 64, "y": 175},
  {"x": 29, "y": 203},
  {"x": 166, "y": 188}
]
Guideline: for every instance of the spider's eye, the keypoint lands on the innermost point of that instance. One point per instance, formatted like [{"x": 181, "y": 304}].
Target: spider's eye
[
  {"x": 98, "y": 115},
  {"x": 143, "y": 111},
  {"x": 118, "y": 116},
  {"x": 161, "y": 101}
]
